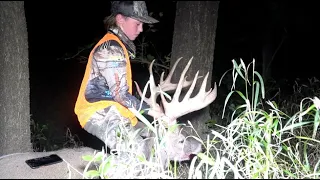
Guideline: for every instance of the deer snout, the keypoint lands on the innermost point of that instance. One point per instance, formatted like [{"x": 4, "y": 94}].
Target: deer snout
[{"x": 192, "y": 147}]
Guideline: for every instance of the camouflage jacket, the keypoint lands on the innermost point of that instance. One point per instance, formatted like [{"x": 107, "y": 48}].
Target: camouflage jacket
[{"x": 109, "y": 81}]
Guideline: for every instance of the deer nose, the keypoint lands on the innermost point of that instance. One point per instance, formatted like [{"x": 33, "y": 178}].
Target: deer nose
[{"x": 191, "y": 156}]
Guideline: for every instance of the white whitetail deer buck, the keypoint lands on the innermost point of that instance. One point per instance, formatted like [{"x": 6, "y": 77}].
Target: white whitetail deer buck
[{"x": 178, "y": 145}]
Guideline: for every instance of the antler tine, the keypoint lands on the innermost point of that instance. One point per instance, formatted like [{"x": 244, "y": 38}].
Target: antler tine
[
  {"x": 188, "y": 94},
  {"x": 153, "y": 87},
  {"x": 207, "y": 97},
  {"x": 171, "y": 72},
  {"x": 202, "y": 99},
  {"x": 181, "y": 82},
  {"x": 152, "y": 100},
  {"x": 142, "y": 95},
  {"x": 166, "y": 84},
  {"x": 188, "y": 104}
]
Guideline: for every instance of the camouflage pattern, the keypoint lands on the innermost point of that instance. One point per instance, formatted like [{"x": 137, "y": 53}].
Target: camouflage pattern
[
  {"x": 107, "y": 81},
  {"x": 107, "y": 124},
  {"x": 134, "y": 9},
  {"x": 140, "y": 13}
]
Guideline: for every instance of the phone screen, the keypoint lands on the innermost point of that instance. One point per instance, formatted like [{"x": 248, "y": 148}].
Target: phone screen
[{"x": 44, "y": 161}]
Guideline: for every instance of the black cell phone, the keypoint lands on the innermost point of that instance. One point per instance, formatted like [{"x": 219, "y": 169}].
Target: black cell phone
[{"x": 44, "y": 161}]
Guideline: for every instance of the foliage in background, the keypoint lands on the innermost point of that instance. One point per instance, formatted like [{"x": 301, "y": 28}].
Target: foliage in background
[
  {"x": 42, "y": 141},
  {"x": 38, "y": 137}
]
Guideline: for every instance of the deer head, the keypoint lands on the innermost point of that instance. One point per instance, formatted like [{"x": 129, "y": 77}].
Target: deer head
[{"x": 178, "y": 145}]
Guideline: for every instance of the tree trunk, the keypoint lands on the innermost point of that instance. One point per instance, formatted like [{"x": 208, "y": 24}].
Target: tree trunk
[
  {"x": 14, "y": 79},
  {"x": 194, "y": 36}
]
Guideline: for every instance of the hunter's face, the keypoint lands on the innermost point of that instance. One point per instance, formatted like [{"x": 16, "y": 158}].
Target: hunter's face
[{"x": 131, "y": 27}]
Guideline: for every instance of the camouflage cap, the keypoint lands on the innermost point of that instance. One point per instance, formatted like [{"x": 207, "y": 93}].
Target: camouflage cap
[{"x": 134, "y": 9}]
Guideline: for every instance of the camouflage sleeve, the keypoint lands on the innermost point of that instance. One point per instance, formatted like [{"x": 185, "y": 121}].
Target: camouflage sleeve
[{"x": 111, "y": 62}]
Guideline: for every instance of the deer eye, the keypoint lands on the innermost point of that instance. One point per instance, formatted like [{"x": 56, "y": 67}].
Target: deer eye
[{"x": 181, "y": 141}]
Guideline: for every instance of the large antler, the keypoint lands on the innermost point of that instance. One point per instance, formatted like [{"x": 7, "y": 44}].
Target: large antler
[
  {"x": 176, "y": 109},
  {"x": 164, "y": 85}
]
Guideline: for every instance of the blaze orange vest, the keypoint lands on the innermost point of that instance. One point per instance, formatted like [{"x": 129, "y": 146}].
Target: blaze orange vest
[{"x": 84, "y": 109}]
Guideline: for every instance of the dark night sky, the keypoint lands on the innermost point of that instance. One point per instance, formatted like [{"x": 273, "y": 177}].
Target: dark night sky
[
  {"x": 56, "y": 28},
  {"x": 62, "y": 27}
]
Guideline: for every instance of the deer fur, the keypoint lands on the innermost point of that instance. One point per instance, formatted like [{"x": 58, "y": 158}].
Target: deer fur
[{"x": 175, "y": 144}]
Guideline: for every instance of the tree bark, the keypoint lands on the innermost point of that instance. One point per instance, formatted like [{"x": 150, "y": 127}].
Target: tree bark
[
  {"x": 14, "y": 79},
  {"x": 194, "y": 36}
]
